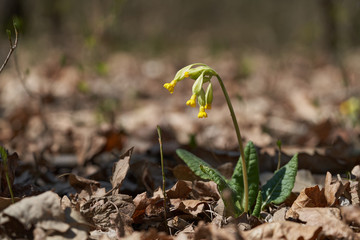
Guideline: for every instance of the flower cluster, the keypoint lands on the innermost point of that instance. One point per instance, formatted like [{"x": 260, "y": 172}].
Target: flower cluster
[{"x": 201, "y": 73}]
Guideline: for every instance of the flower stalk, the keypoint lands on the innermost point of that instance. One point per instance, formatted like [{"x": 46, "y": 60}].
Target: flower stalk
[
  {"x": 202, "y": 73},
  {"x": 241, "y": 146}
]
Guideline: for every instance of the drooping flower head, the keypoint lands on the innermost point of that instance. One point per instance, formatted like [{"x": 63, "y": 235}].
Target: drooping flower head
[{"x": 201, "y": 73}]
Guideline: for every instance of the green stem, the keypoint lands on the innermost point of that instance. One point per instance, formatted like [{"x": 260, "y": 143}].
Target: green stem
[
  {"x": 241, "y": 147},
  {"x": 9, "y": 186},
  {"x": 4, "y": 157},
  {"x": 162, "y": 171}
]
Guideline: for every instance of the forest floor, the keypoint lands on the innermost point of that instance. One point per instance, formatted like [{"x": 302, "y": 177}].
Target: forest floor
[{"x": 84, "y": 158}]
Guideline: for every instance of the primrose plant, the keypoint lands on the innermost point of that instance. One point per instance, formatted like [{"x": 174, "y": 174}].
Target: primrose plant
[{"x": 245, "y": 194}]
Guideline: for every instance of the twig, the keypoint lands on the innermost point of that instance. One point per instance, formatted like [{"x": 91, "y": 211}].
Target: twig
[{"x": 12, "y": 47}]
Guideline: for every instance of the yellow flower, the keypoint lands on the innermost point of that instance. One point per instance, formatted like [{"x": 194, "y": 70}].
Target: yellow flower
[
  {"x": 202, "y": 113},
  {"x": 191, "y": 102},
  {"x": 170, "y": 86},
  {"x": 208, "y": 106}
]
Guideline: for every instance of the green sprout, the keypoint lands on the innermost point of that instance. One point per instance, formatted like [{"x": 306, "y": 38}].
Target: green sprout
[
  {"x": 243, "y": 186},
  {"x": 4, "y": 157}
]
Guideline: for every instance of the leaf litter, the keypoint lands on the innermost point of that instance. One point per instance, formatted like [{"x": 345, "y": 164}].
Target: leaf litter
[{"x": 72, "y": 182}]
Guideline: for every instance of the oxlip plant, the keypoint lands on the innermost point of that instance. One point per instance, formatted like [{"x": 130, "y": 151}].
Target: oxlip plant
[{"x": 245, "y": 194}]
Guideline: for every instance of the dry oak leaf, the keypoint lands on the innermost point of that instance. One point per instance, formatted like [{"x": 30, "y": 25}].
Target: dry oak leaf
[
  {"x": 42, "y": 213},
  {"x": 329, "y": 220},
  {"x": 189, "y": 206},
  {"x": 86, "y": 188},
  {"x": 308, "y": 197},
  {"x": 283, "y": 230},
  {"x": 181, "y": 189},
  {"x": 210, "y": 231},
  {"x": 99, "y": 209},
  {"x": 147, "y": 206},
  {"x": 351, "y": 215},
  {"x": 355, "y": 193},
  {"x": 356, "y": 172},
  {"x": 333, "y": 189},
  {"x": 120, "y": 169}
]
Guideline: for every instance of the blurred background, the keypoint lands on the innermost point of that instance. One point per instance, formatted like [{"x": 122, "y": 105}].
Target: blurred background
[{"x": 85, "y": 69}]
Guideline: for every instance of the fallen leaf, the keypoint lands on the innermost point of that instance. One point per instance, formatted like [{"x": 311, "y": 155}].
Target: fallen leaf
[
  {"x": 329, "y": 220},
  {"x": 181, "y": 189},
  {"x": 355, "y": 193},
  {"x": 42, "y": 213},
  {"x": 356, "y": 172},
  {"x": 5, "y": 202},
  {"x": 333, "y": 189},
  {"x": 45, "y": 206},
  {"x": 86, "y": 188},
  {"x": 98, "y": 210},
  {"x": 183, "y": 172},
  {"x": 148, "y": 235},
  {"x": 207, "y": 191},
  {"x": 351, "y": 215},
  {"x": 309, "y": 197},
  {"x": 210, "y": 231},
  {"x": 284, "y": 230},
  {"x": 120, "y": 169},
  {"x": 279, "y": 215},
  {"x": 193, "y": 207}
]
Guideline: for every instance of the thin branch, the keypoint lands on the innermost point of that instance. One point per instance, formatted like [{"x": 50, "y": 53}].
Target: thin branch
[{"x": 12, "y": 48}]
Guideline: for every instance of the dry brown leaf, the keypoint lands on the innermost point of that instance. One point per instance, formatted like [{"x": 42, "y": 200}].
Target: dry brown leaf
[
  {"x": 279, "y": 215},
  {"x": 309, "y": 197},
  {"x": 120, "y": 169},
  {"x": 355, "y": 193},
  {"x": 81, "y": 183},
  {"x": 42, "y": 213},
  {"x": 148, "y": 206},
  {"x": 5, "y": 202},
  {"x": 183, "y": 172},
  {"x": 329, "y": 220},
  {"x": 45, "y": 206},
  {"x": 98, "y": 210},
  {"x": 210, "y": 231},
  {"x": 283, "y": 230},
  {"x": 86, "y": 188},
  {"x": 333, "y": 189},
  {"x": 189, "y": 206},
  {"x": 181, "y": 189},
  {"x": 149, "y": 235},
  {"x": 351, "y": 214},
  {"x": 205, "y": 191},
  {"x": 356, "y": 172}
]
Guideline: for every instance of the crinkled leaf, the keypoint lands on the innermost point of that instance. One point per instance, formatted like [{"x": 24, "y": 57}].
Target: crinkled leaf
[
  {"x": 279, "y": 187},
  {"x": 252, "y": 168},
  {"x": 120, "y": 169}
]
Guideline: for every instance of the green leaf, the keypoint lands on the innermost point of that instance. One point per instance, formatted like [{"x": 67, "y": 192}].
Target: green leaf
[
  {"x": 193, "y": 162},
  {"x": 252, "y": 168},
  {"x": 222, "y": 184},
  {"x": 215, "y": 176},
  {"x": 257, "y": 208},
  {"x": 279, "y": 187}
]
